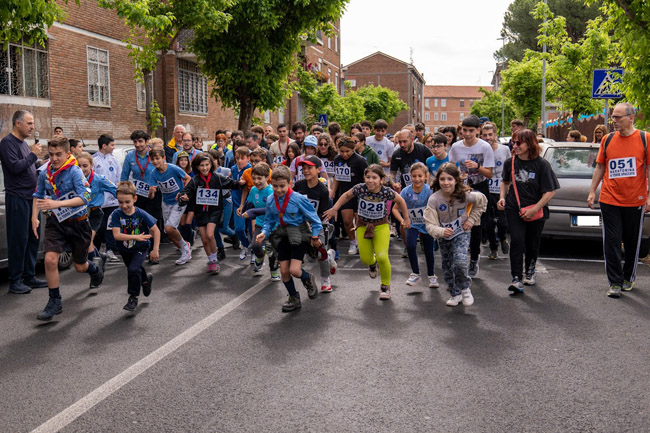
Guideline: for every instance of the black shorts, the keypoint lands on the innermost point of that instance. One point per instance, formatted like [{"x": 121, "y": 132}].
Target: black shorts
[
  {"x": 70, "y": 235},
  {"x": 95, "y": 217},
  {"x": 353, "y": 204},
  {"x": 203, "y": 218},
  {"x": 286, "y": 251}
]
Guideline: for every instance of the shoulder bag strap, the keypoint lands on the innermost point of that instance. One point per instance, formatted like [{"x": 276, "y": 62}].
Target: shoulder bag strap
[{"x": 514, "y": 181}]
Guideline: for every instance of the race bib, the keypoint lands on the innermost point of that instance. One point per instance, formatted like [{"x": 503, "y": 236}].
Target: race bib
[
  {"x": 63, "y": 213},
  {"x": 343, "y": 173},
  {"x": 417, "y": 215},
  {"x": 622, "y": 167},
  {"x": 456, "y": 225},
  {"x": 407, "y": 179},
  {"x": 314, "y": 203},
  {"x": 494, "y": 185},
  {"x": 141, "y": 187},
  {"x": 299, "y": 175},
  {"x": 329, "y": 166},
  {"x": 207, "y": 196},
  {"x": 169, "y": 186},
  {"x": 278, "y": 159},
  {"x": 371, "y": 210}
]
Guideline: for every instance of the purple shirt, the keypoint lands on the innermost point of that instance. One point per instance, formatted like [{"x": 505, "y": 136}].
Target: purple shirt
[{"x": 18, "y": 167}]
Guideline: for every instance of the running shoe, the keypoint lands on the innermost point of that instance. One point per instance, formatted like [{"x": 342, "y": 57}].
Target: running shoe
[
  {"x": 505, "y": 247},
  {"x": 275, "y": 275},
  {"x": 131, "y": 303},
  {"x": 372, "y": 270},
  {"x": 53, "y": 307},
  {"x": 221, "y": 254},
  {"x": 146, "y": 285},
  {"x": 243, "y": 254},
  {"x": 467, "y": 298},
  {"x": 472, "y": 272},
  {"x": 186, "y": 254},
  {"x": 96, "y": 278},
  {"x": 216, "y": 269},
  {"x": 331, "y": 256},
  {"x": 516, "y": 286},
  {"x": 310, "y": 285},
  {"x": 252, "y": 261},
  {"x": 529, "y": 278},
  {"x": 627, "y": 286},
  {"x": 454, "y": 300},
  {"x": 493, "y": 255},
  {"x": 292, "y": 304},
  {"x": 258, "y": 262},
  {"x": 384, "y": 293},
  {"x": 413, "y": 280},
  {"x": 433, "y": 282},
  {"x": 614, "y": 292},
  {"x": 354, "y": 249},
  {"x": 112, "y": 257},
  {"x": 325, "y": 285}
]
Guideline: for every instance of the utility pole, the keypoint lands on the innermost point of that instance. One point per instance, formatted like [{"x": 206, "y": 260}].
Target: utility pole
[
  {"x": 503, "y": 95},
  {"x": 544, "y": 81}
]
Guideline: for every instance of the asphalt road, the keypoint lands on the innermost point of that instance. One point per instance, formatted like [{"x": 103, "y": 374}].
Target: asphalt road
[{"x": 215, "y": 354}]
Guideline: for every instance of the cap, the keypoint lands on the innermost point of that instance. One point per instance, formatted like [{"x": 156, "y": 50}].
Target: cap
[
  {"x": 181, "y": 154},
  {"x": 311, "y": 160},
  {"x": 311, "y": 140}
]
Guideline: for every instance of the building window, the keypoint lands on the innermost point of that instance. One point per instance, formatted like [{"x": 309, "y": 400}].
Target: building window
[
  {"x": 281, "y": 115},
  {"x": 435, "y": 117},
  {"x": 329, "y": 43},
  {"x": 353, "y": 83},
  {"x": 336, "y": 81},
  {"x": 462, "y": 116},
  {"x": 267, "y": 116},
  {"x": 329, "y": 75},
  {"x": 99, "y": 88},
  {"x": 336, "y": 43},
  {"x": 24, "y": 71},
  {"x": 192, "y": 88},
  {"x": 435, "y": 130},
  {"x": 141, "y": 92},
  {"x": 319, "y": 36},
  {"x": 462, "y": 102},
  {"x": 443, "y": 102},
  {"x": 443, "y": 116},
  {"x": 427, "y": 116},
  {"x": 427, "y": 104},
  {"x": 435, "y": 102},
  {"x": 471, "y": 102}
]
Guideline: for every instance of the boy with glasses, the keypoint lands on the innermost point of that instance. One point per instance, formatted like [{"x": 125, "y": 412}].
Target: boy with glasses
[{"x": 440, "y": 156}]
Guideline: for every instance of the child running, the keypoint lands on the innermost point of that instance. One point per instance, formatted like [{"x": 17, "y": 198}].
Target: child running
[
  {"x": 416, "y": 197},
  {"x": 373, "y": 230},
  {"x": 289, "y": 212},
  {"x": 133, "y": 228},
  {"x": 449, "y": 217},
  {"x": 205, "y": 194},
  {"x": 68, "y": 193}
]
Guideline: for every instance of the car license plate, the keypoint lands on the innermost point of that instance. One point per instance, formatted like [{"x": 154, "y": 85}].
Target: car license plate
[{"x": 585, "y": 220}]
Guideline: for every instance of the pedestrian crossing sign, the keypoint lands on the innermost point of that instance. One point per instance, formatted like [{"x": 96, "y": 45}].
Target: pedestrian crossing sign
[
  {"x": 606, "y": 83},
  {"x": 322, "y": 120}
]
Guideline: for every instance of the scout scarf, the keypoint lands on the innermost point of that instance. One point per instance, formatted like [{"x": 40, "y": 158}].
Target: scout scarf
[
  {"x": 284, "y": 206},
  {"x": 207, "y": 185},
  {"x": 51, "y": 177}
]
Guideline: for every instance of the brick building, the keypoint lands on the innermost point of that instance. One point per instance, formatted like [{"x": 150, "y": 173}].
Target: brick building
[
  {"x": 448, "y": 105},
  {"x": 380, "y": 69},
  {"x": 84, "y": 82}
]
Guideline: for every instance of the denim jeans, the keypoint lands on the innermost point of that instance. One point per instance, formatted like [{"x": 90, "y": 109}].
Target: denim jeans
[{"x": 454, "y": 262}]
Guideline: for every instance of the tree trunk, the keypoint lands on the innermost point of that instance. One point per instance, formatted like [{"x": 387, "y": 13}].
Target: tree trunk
[
  {"x": 148, "y": 90},
  {"x": 246, "y": 109},
  {"x": 574, "y": 120}
]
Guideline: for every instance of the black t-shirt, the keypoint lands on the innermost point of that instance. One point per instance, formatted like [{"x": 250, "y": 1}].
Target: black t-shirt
[
  {"x": 356, "y": 166},
  {"x": 318, "y": 196},
  {"x": 402, "y": 161},
  {"x": 534, "y": 178}
]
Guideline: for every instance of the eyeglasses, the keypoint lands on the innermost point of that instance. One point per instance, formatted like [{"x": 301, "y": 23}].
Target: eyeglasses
[
  {"x": 617, "y": 118},
  {"x": 323, "y": 144},
  {"x": 437, "y": 146}
]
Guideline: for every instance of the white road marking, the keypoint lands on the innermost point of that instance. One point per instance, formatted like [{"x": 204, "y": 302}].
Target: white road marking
[{"x": 62, "y": 419}]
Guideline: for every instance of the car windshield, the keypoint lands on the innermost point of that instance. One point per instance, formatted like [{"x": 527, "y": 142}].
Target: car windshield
[{"x": 573, "y": 162}]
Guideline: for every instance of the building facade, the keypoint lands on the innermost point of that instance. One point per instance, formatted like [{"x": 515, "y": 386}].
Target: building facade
[
  {"x": 448, "y": 105},
  {"x": 380, "y": 69}
]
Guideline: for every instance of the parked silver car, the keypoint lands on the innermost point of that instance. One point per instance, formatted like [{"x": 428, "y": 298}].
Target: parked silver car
[{"x": 570, "y": 217}]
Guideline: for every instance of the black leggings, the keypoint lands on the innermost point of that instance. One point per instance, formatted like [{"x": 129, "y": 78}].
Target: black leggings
[
  {"x": 477, "y": 230},
  {"x": 524, "y": 236},
  {"x": 621, "y": 224}
]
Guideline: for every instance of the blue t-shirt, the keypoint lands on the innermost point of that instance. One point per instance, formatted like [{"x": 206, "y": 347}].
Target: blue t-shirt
[
  {"x": 236, "y": 174},
  {"x": 70, "y": 183},
  {"x": 170, "y": 182},
  {"x": 98, "y": 187},
  {"x": 138, "y": 223},
  {"x": 433, "y": 163},
  {"x": 416, "y": 203},
  {"x": 258, "y": 199}
]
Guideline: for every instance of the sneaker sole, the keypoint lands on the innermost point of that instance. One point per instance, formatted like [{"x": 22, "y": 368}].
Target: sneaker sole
[
  {"x": 614, "y": 295},
  {"x": 515, "y": 290},
  {"x": 290, "y": 309},
  {"x": 47, "y": 319},
  {"x": 147, "y": 291},
  {"x": 384, "y": 298}
]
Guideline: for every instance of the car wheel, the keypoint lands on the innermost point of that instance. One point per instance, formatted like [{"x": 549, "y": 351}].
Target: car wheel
[
  {"x": 644, "y": 248},
  {"x": 65, "y": 260}
]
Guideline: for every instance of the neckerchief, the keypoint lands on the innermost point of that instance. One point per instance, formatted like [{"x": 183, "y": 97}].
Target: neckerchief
[
  {"x": 207, "y": 185},
  {"x": 284, "y": 206},
  {"x": 51, "y": 177},
  {"x": 137, "y": 161}
]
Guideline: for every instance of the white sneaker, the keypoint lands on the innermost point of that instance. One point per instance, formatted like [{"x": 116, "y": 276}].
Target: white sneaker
[
  {"x": 433, "y": 282},
  {"x": 354, "y": 249},
  {"x": 112, "y": 257},
  {"x": 331, "y": 256},
  {"x": 243, "y": 254},
  {"x": 325, "y": 285},
  {"x": 468, "y": 299},
  {"x": 413, "y": 280},
  {"x": 186, "y": 254},
  {"x": 454, "y": 300}
]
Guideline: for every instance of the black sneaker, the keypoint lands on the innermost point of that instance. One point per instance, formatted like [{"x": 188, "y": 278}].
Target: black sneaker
[
  {"x": 236, "y": 245},
  {"x": 53, "y": 307},
  {"x": 310, "y": 285},
  {"x": 35, "y": 283},
  {"x": 292, "y": 304},
  {"x": 505, "y": 247},
  {"x": 19, "y": 288},
  {"x": 516, "y": 286},
  {"x": 131, "y": 304},
  {"x": 146, "y": 285},
  {"x": 96, "y": 278},
  {"x": 221, "y": 254}
]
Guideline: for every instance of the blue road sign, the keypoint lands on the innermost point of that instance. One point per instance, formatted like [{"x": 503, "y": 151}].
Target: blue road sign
[
  {"x": 605, "y": 83},
  {"x": 322, "y": 119}
]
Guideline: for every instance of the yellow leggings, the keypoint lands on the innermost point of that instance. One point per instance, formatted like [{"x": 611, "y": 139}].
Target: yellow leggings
[{"x": 376, "y": 250}]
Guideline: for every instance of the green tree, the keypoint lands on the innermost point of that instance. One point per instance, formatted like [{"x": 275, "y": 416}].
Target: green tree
[
  {"x": 628, "y": 22},
  {"x": 490, "y": 106},
  {"x": 522, "y": 84},
  {"x": 520, "y": 26},
  {"x": 28, "y": 20}
]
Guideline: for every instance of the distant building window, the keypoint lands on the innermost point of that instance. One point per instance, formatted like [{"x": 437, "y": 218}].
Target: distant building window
[
  {"x": 443, "y": 116},
  {"x": 192, "y": 88},
  {"x": 443, "y": 102},
  {"x": 471, "y": 102},
  {"x": 462, "y": 102},
  {"x": 435, "y": 102},
  {"x": 281, "y": 115},
  {"x": 336, "y": 43},
  {"x": 329, "y": 43},
  {"x": 99, "y": 89},
  {"x": 427, "y": 103},
  {"x": 24, "y": 71},
  {"x": 435, "y": 117},
  {"x": 462, "y": 116},
  {"x": 336, "y": 80},
  {"x": 353, "y": 83},
  {"x": 427, "y": 116},
  {"x": 319, "y": 36},
  {"x": 141, "y": 93},
  {"x": 267, "y": 116},
  {"x": 435, "y": 130},
  {"x": 329, "y": 75}
]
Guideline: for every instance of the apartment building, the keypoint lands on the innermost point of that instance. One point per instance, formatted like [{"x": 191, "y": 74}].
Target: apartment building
[{"x": 448, "y": 105}]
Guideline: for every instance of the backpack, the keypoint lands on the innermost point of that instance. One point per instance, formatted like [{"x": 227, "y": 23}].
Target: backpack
[{"x": 644, "y": 140}]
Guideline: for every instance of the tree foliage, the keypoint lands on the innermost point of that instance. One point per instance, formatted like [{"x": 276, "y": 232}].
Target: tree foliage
[
  {"x": 490, "y": 106},
  {"x": 366, "y": 103},
  {"x": 520, "y": 26},
  {"x": 522, "y": 84},
  {"x": 28, "y": 20}
]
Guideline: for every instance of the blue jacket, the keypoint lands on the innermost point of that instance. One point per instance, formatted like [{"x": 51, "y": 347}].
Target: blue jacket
[
  {"x": 71, "y": 181},
  {"x": 298, "y": 210}
]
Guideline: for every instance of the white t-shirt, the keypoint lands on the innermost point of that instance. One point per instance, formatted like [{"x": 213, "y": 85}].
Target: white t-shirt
[
  {"x": 384, "y": 149},
  {"x": 480, "y": 152},
  {"x": 109, "y": 167}
]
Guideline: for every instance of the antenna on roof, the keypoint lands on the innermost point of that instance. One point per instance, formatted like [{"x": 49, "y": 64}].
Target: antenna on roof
[{"x": 411, "y": 50}]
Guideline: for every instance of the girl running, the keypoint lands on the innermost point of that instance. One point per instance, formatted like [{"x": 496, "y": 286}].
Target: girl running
[
  {"x": 185, "y": 225},
  {"x": 416, "y": 197},
  {"x": 293, "y": 152},
  {"x": 373, "y": 229},
  {"x": 449, "y": 217}
]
